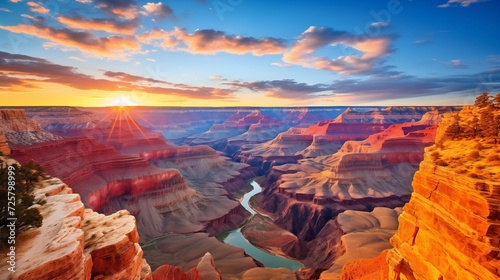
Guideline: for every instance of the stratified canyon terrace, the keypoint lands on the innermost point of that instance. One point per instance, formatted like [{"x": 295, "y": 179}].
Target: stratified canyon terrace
[{"x": 350, "y": 193}]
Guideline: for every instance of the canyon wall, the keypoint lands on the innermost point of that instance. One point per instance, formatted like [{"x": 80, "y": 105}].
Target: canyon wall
[
  {"x": 109, "y": 169},
  {"x": 4, "y": 147},
  {"x": 76, "y": 243},
  {"x": 79, "y": 161},
  {"x": 326, "y": 137},
  {"x": 20, "y": 130},
  {"x": 451, "y": 226},
  {"x": 308, "y": 198}
]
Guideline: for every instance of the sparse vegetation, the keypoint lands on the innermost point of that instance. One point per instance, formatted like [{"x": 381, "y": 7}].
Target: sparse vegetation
[
  {"x": 475, "y": 135},
  {"x": 25, "y": 177}
]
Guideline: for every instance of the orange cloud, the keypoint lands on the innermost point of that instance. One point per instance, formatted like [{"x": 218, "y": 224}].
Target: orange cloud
[
  {"x": 159, "y": 10},
  {"x": 209, "y": 41},
  {"x": 113, "y": 47},
  {"x": 37, "y": 8},
  {"x": 125, "y": 9},
  {"x": 18, "y": 72},
  {"x": 101, "y": 24},
  {"x": 368, "y": 50}
]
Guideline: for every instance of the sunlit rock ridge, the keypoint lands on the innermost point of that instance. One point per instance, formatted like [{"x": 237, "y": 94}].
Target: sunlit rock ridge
[{"x": 451, "y": 226}]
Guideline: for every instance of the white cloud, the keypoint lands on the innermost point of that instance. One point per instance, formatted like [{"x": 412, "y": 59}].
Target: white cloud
[
  {"x": 461, "y": 3},
  {"x": 76, "y": 58}
]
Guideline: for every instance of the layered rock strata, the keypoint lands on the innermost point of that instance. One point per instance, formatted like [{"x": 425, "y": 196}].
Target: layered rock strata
[
  {"x": 4, "y": 147},
  {"x": 20, "y": 130},
  {"x": 76, "y": 243},
  {"x": 326, "y": 137},
  {"x": 450, "y": 228}
]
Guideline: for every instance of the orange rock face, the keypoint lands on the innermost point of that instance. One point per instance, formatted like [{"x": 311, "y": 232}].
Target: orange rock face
[
  {"x": 450, "y": 228},
  {"x": 167, "y": 272},
  {"x": 367, "y": 269},
  {"x": 4, "y": 148}
]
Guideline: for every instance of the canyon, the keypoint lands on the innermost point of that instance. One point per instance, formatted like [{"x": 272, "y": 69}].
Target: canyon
[
  {"x": 334, "y": 181},
  {"x": 450, "y": 227}
]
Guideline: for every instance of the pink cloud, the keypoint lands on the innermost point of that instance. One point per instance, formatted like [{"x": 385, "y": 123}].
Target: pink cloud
[
  {"x": 113, "y": 47},
  {"x": 100, "y": 24},
  {"x": 38, "y": 71},
  {"x": 159, "y": 10},
  {"x": 209, "y": 41},
  {"x": 368, "y": 51},
  {"x": 37, "y": 8}
]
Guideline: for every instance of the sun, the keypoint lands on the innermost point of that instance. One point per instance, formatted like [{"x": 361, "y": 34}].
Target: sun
[{"x": 122, "y": 101}]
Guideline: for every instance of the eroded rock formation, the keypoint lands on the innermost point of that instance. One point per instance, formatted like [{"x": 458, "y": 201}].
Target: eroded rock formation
[
  {"x": 326, "y": 137},
  {"x": 450, "y": 228},
  {"x": 4, "y": 147},
  {"x": 20, "y": 130},
  {"x": 76, "y": 243}
]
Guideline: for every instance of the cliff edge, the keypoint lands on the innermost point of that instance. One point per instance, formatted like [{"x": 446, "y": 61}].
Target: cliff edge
[
  {"x": 74, "y": 242},
  {"x": 450, "y": 229}
]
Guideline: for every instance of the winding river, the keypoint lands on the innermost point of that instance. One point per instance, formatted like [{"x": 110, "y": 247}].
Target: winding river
[{"x": 236, "y": 238}]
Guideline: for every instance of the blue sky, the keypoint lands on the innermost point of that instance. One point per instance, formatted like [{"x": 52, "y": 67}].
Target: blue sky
[{"x": 248, "y": 53}]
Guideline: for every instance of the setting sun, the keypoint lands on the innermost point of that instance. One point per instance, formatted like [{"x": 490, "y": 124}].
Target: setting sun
[{"x": 122, "y": 101}]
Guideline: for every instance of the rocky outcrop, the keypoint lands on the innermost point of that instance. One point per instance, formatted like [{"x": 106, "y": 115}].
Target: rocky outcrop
[
  {"x": 234, "y": 127},
  {"x": 449, "y": 229},
  {"x": 4, "y": 147},
  {"x": 367, "y": 268},
  {"x": 326, "y": 137},
  {"x": 451, "y": 226},
  {"x": 20, "y": 130},
  {"x": 80, "y": 161},
  {"x": 186, "y": 251},
  {"x": 168, "y": 272},
  {"x": 62, "y": 120},
  {"x": 77, "y": 243},
  {"x": 205, "y": 270}
]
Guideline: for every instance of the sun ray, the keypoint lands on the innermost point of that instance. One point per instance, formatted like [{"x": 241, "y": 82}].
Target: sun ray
[
  {"x": 112, "y": 128},
  {"x": 137, "y": 126}
]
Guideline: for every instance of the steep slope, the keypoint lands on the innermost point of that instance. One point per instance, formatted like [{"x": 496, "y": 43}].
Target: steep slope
[
  {"x": 310, "y": 197},
  {"x": 20, "y": 130},
  {"x": 325, "y": 137},
  {"x": 76, "y": 243},
  {"x": 450, "y": 228},
  {"x": 109, "y": 181},
  {"x": 4, "y": 147}
]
